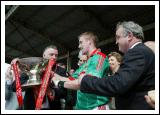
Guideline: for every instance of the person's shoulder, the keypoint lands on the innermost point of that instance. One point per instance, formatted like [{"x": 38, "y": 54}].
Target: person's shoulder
[
  {"x": 139, "y": 50},
  {"x": 98, "y": 55},
  {"x": 142, "y": 49},
  {"x": 101, "y": 54},
  {"x": 140, "y": 46}
]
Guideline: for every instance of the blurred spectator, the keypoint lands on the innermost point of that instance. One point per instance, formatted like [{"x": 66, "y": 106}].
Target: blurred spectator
[
  {"x": 115, "y": 59},
  {"x": 11, "y": 102},
  {"x": 151, "y": 45},
  {"x": 150, "y": 98}
]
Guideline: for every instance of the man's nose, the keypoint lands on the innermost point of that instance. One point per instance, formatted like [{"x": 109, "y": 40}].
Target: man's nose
[{"x": 117, "y": 42}]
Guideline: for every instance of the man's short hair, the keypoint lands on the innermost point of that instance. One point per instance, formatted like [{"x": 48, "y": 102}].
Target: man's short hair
[
  {"x": 131, "y": 27},
  {"x": 61, "y": 64},
  {"x": 50, "y": 46},
  {"x": 91, "y": 36}
]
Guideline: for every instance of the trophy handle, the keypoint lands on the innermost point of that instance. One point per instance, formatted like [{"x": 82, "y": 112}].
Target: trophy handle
[{"x": 23, "y": 67}]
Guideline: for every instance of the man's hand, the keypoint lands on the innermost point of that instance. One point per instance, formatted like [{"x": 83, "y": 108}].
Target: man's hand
[
  {"x": 14, "y": 61},
  {"x": 57, "y": 76},
  {"x": 54, "y": 82},
  {"x": 55, "y": 79},
  {"x": 61, "y": 78},
  {"x": 150, "y": 98}
]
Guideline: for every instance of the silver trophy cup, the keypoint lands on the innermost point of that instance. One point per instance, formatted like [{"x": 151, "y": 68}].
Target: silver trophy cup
[{"x": 27, "y": 65}]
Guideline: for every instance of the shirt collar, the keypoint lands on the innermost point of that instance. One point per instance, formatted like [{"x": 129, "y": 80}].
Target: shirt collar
[
  {"x": 93, "y": 52},
  {"x": 135, "y": 45}
]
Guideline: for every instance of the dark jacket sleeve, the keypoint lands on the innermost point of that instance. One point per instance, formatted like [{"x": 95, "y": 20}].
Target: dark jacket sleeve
[
  {"x": 23, "y": 79},
  {"x": 8, "y": 92},
  {"x": 59, "y": 92},
  {"x": 129, "y": 73}
]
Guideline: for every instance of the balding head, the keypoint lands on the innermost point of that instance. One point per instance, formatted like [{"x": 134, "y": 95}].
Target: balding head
[{"x": 151, "y": 45}]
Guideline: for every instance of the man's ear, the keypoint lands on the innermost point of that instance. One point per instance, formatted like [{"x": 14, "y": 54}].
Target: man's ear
[{"x": 130, "y": 36}]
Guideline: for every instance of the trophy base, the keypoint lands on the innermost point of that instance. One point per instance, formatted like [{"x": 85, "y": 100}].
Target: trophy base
[{"x": 31, "y": 83}]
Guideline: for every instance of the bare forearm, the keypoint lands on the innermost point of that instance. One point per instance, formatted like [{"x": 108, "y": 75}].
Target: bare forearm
[
  {"x": 66, "y": 82},
  {"x": 72, "y": 84},
  {"x": 61, "y": 78}
]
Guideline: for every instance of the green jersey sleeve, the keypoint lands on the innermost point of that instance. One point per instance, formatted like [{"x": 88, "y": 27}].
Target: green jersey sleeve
[{"x": 77, "y": 72}]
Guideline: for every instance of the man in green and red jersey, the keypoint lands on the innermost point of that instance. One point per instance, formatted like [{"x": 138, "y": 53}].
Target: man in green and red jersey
[{"x": 96, "y": 65}]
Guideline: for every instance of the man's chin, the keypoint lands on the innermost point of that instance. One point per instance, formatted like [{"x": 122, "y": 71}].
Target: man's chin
[
  {"x": 84, "y": 52},
  {"x": 121, "y": 50}
]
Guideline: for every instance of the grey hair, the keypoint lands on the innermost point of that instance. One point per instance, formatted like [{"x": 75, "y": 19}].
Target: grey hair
[{"x": 131, "y": 27}]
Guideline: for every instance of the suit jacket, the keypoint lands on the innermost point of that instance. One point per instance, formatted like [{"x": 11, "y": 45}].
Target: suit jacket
[{"x": 134, "y": 78}]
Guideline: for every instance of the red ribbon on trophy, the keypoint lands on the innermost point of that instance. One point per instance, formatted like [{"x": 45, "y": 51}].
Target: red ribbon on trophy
[
  {"x": 44, "y": 84},
  {"x": 18, "y": 85}
]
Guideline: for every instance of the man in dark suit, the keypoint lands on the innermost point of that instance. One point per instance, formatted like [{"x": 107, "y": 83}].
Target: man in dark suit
[{"x": 136, "y": 75}]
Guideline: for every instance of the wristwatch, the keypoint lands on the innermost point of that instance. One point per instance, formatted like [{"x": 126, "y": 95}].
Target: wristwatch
[{"x": 61, "y": 84}]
